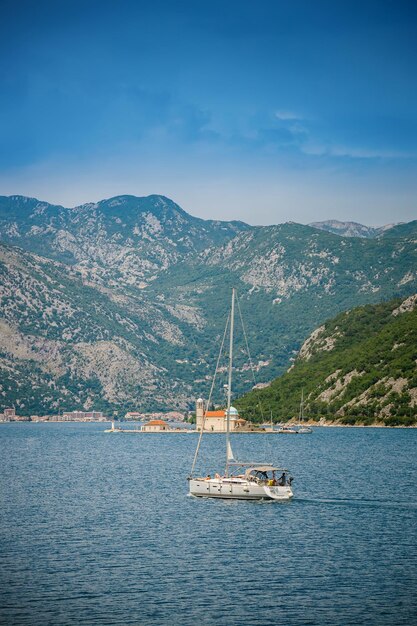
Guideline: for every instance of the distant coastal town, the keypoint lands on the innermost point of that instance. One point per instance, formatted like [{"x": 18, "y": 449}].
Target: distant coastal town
[
  {"x": 214, "y": 421},
  {"x": 209, "y": 421},
  {"x": 9, "y": 415}
]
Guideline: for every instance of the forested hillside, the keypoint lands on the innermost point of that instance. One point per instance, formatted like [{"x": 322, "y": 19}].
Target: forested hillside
[{"x": 359, "y": 367}]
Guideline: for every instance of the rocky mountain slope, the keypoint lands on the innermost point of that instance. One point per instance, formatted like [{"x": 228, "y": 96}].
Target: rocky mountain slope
[
  {"x": 351, "y": 229},
  {"x": 130, "y": 296},
  {"x": 123, "y": 240},
  {"x": 359, "y": 367},
  {"x": 66, "y": 344}
]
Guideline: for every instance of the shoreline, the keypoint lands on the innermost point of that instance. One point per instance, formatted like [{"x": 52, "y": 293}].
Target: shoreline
[
  {"x": 189, "y": 430},
  {"x": 362, "y": 426}
]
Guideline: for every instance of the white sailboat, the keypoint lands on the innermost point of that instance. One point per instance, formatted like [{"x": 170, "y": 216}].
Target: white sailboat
[
  {"x": 302, "y": 428},
  {"x": 299, "y": 428},
  {"x": 241, "y": 481},
  {"x": 287, "y": 429}
]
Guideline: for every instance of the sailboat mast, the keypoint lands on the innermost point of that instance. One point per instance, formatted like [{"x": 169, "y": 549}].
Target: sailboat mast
[
  {"x": 301, "y": 415},
  {"x": 229, "y": 383}
]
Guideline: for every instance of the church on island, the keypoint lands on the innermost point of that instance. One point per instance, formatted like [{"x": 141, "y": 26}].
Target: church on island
[{"x": 215, "y": 421}]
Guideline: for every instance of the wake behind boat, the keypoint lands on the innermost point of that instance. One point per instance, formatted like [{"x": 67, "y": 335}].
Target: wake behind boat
[{"x": 241, "y": 481}]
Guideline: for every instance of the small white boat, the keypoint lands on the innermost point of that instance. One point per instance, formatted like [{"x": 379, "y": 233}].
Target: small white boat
[
  {"x": 241, "y": 481},
  {"x": 305, "y": 430},
  {"x": 288, "y": 429},
  {"x": 299, "y": 428}
]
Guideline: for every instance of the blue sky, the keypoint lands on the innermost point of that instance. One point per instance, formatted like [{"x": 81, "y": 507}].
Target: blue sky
[{"x": 263, "y": 111}]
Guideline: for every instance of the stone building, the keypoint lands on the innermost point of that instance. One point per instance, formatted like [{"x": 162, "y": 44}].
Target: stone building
[
  {"x": 215, "y": 421},
  {"x": 155, "y": 426}
]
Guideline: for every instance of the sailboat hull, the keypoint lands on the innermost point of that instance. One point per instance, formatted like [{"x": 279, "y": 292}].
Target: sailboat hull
[{"x": 237, "y": 489}]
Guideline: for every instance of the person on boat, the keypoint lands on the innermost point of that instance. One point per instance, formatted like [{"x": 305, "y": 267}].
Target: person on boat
[
  {"x": 208, "y": 477},
  {"x": 263, "y": 476},
  {"x": 282, "y": 479}
]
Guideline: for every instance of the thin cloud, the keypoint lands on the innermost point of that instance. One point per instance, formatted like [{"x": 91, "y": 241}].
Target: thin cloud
[
  {"x": 287, "y": 115},
  {"x": 364, "y": 153},
  {"x": 354, "y": 153}
]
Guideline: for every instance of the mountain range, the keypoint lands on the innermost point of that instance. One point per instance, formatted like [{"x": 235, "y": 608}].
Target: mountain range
[
  {"x": 121, "y": 304},
  {"x": 352, "y": 229}
]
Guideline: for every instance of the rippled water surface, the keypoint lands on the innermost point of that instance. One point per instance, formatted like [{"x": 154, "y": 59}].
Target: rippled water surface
[{"x": 98, "y": 529}]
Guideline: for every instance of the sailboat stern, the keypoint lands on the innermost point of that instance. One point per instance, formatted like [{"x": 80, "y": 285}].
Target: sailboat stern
[{"x": 279, "y": 493}]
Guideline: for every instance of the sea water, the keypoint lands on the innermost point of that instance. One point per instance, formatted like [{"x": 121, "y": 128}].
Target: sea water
[{"x": 98, "y": 528}]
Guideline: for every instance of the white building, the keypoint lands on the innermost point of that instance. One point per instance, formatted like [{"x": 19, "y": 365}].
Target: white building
[
  {"x": 133, "y": 415},
  {"x": 155, "y": 426}
]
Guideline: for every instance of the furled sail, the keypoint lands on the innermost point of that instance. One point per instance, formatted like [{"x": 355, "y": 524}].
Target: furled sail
[{"x": 230, "y": 456}]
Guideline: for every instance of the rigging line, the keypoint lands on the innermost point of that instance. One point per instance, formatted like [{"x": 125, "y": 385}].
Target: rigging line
[
  {"x": 202, "y": 457},
  {"x": 248, "y": 351},
  {"x": 210, "y": 401},
  {"x": 210, "y": 395},
  {"x": 202, "y": 355}
]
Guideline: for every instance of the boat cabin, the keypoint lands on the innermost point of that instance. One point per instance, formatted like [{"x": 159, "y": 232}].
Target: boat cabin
[{"x": 268, "y": 475}]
